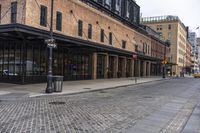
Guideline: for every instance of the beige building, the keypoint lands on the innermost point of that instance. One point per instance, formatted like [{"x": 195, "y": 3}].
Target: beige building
[
  {"x": 172, "y": 29},
  {"x": 198, "y": 41}
]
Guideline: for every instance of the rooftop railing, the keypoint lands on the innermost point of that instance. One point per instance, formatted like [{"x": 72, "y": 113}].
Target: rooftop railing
[{"x": 160, "y": 18}]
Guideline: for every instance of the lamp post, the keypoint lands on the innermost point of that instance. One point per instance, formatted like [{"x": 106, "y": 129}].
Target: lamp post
[
  {"x": 164, "y": 64},
  {"x": 167, "y": 44},
  {"x": 50, "y": 44},
  {"x": 183, "y": 70}
]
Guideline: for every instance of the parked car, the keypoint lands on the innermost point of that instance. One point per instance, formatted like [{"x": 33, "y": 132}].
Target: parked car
[
  {"x": 196, "y": 75},
  {"x": 6, "y": 72}
]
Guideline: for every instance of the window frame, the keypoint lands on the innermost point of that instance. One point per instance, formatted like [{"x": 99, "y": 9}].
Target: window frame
[
  {"x": 136, "y": 48},
  {"x": 80, "y": 28},
  {"x": 128, "y": 8},
  {"x": 124, "y": 44},
  {"x": 169, "y": 27},
  {"x": 102, "y": 34},
  {"x": 13, "y": 12},
  {"x": 59, "y": 21},
  {"x": 43, "y": 16},
  {"x": 90, "y": 31},
  {"x": 118, "y": 4},
  {"x": 0, "y": 13},
  {"x": 110, "y": 38},
  {"x": 108, "y": 5}
]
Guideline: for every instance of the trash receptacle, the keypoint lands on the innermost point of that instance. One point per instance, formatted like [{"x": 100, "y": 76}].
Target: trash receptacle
[{"x": 57, "y": 83}]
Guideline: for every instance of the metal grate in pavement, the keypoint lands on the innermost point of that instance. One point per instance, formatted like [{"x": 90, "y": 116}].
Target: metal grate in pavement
[{"x": 57, "y": 103}]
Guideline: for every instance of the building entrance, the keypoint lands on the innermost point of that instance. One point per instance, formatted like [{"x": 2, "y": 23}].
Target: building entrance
[
  {"x": 100, "y": 66},
  {"x": 111, "y": 67}
]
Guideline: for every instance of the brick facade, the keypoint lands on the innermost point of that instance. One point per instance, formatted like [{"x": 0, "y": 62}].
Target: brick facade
[
  {"x": 69, "y": 22},
  {"x": 6, "y": 11},
  {"x": 149, "y": 51}
]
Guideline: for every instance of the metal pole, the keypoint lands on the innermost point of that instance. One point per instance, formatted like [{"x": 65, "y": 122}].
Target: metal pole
[
  {"x": 164, "y": 66},
  {"x": 184, "y": 64},
  {"x": 49, "y": 88}
]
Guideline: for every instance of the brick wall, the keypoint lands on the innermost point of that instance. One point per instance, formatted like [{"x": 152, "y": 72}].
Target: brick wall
[
  {"x": 88, "y": 15},
  {"x": 29, "y": 14},
  {"x": 6, "y": 11}
]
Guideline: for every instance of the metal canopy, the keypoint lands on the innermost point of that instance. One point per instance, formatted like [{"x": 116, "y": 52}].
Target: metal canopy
[{"x": 31, "y": 33}]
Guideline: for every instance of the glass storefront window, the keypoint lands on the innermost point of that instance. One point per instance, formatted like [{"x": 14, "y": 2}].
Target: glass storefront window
[
  {"x": 12, "y": 59},
  {"x": 128, "y": 68},
  {"x": 86, "y": 66},
  {"x": 17, "y": 59},
  {"x": 10, "y": 53},
  {"x": 100, "y": 66},
  {"x": 136, "y": 66},
  {"x": 6, "y": 60},
  {"x": 1, "y": 58},
  {"x": 73, "y": 65},
  {"x": 111, "y": 67},
  {"x": 79, "y": 65},
  {"x": 36, "y": 60},
  {"x": 43, "y": 60},
  {"x": 29, "y": 60}
]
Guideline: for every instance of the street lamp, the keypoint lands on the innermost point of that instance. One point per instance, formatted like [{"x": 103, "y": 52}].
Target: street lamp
[
  {"x": 50, "y": 44},
  {"x": 164, "y": 66},
  {"x": 167, "y": 44}
]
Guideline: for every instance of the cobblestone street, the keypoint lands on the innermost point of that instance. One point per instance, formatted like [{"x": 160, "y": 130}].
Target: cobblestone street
[{"x": 161, "y": 106}]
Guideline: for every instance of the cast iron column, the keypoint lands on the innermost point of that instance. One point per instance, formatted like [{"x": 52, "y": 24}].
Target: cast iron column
[{"x": 49, "y": 88}]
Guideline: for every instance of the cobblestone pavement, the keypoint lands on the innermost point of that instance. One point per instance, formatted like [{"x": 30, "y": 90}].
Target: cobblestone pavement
[{"x": 162, "y": 106}]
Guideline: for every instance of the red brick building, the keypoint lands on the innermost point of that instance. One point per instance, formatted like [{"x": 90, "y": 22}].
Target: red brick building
[{"x": 95, "y": 39}]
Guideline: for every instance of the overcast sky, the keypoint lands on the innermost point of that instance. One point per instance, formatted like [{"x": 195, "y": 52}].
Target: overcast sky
[{"x": 187, "y": 10}]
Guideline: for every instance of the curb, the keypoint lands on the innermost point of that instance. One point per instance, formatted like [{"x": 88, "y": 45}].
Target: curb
[{"x": 87, "y": 91}]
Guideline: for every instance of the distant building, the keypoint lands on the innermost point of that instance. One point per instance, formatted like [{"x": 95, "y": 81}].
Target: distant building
[
  {"x": 193, "y": 40},
  {"x": 198, "y": 48},
  {"x": 158, "y": 46},
  {"x": 198, "y": 41},
  {"x": 188, "y": 58},
  {"x": 172, "y": 29}
]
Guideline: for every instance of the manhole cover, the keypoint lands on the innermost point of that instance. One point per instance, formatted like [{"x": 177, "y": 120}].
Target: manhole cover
[
  {"x": 57, "y": 103},
  {"x": 87, "y": 88},
  {"x": 102, "y": 92},
  {"x": 147, "y": 97}
]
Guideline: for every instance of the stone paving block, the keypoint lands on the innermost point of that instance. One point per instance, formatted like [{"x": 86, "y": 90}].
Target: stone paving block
[
  {"x": 128, "y": 109},
  {"x": 193, "y": 124}
]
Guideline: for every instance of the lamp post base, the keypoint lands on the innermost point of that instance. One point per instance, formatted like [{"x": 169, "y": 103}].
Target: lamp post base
[
  {"x": 164, "y": 72},
  {"x": 49, "y": 88}
]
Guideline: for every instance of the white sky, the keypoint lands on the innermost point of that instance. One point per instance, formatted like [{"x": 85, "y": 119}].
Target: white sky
[{"x": 187, "y": 10}]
